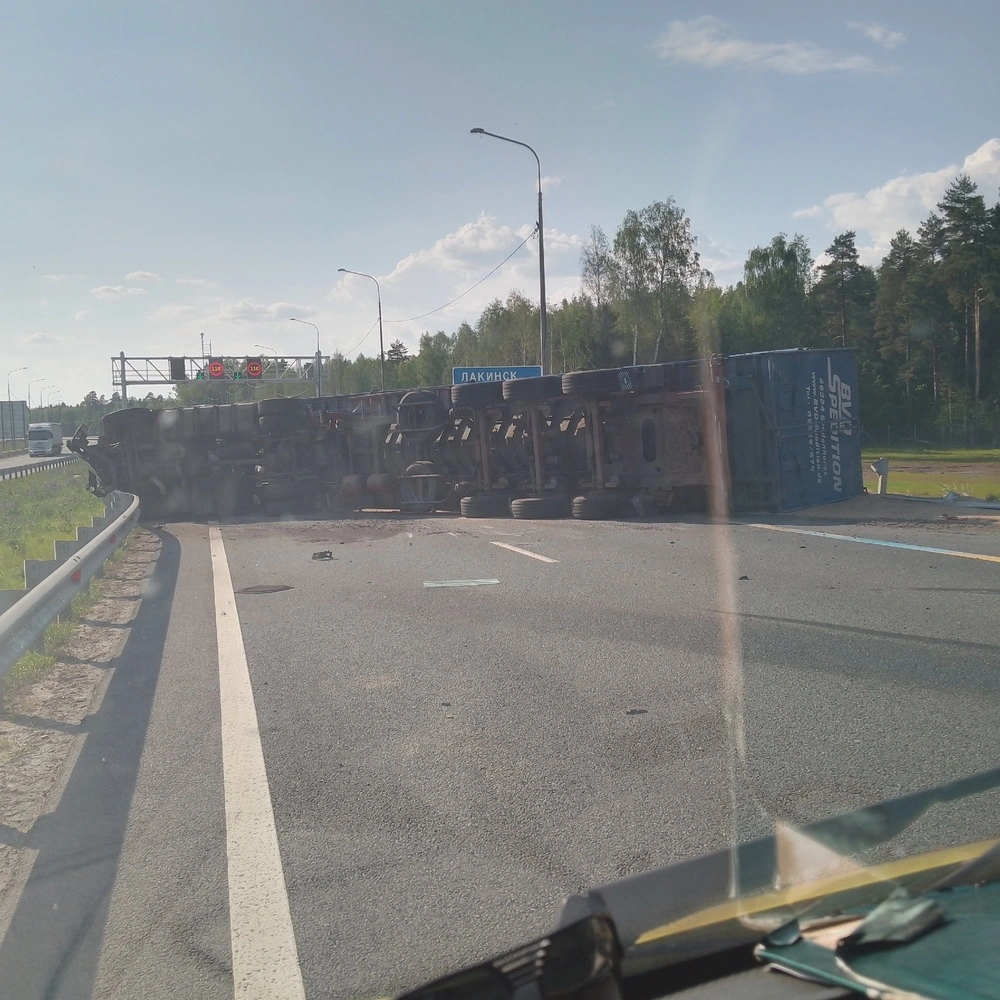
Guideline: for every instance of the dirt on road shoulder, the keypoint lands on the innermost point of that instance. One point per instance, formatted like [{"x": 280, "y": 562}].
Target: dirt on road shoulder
[
  {"x": 43, "y": 725},
  {"x": 894, "y": 510}
]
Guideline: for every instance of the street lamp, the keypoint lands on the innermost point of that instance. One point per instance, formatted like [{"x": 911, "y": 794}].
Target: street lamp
[
  {"x": 543, "y": 326},
  {"x": 30, "y": 384},
  {"x": 274, "y": 352},
  {"x": 319, "y": 356},
  {"x": 10, "y": 409},
  {"x": 378, "y": 292}
]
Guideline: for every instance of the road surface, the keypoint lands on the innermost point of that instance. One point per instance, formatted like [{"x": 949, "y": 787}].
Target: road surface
[{"x": 438, "y": 766}]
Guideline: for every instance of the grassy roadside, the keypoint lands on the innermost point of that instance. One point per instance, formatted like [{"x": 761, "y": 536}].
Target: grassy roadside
[
  {"x": 37, "y": 510},
  {"x": 37, "y": 661},
  {"x": 933, "y": 472}
]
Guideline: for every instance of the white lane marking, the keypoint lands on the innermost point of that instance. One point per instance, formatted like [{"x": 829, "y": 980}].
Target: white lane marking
[
  {"x": 524, "y": 552},
  {"x": 458, "y": 583},
  {"x": 265, "y": 959},
  {"x": 878, "y": 541}
]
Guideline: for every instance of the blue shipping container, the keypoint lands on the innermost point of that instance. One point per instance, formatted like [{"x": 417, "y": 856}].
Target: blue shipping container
[{"x": 794, "y": 428}]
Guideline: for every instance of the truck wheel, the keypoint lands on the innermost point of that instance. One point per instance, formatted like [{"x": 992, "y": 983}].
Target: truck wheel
[
  {"x": 533, "y": 390},
  {"x": 380, "y": 482},
  {"x": 546, "y": 507},
  {"x": 137, "y": 421},
  {"x": 421, "y": 490},
  {"x": 601, "y": 382},
  {"x": 477, "y": 395},
  {"x": 486, "y": 505},
  {"x": 353, "y": 486},
  {"x": 598, "y": 506}
]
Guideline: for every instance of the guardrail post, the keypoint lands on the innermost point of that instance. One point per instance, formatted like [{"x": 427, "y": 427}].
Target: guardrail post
[{"x": 26, "y": 614}]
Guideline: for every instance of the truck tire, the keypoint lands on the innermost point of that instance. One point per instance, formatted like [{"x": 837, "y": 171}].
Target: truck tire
[
  {"x": 477, "y": 395},
  {"x": 380, "y": 482},
  {"x": 546, "y": 507},
  {"x": 601, "y": 382},
  {"x": 353, "y": 486},
  {"x": 245, "y": 419},
  {"x": 486, "y": 505},
  {"x": 421, "y": 496},
  {"x": 599, "y": 506},
  {"x": 533, "y": 390},
  {"x": 137, "y": 421},
  {"x": 281, "y": 416}
]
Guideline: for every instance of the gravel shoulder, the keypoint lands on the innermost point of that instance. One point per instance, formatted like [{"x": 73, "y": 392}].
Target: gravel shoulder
[{"x": 45, "y": 722}]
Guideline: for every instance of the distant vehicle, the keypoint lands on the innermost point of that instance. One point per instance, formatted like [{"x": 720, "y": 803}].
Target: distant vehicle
[{"x": 44, "y": 439}]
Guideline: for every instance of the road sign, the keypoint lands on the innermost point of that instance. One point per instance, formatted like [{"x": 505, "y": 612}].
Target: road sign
[
  {"x": 494, "y": 373},
  {"x": 216, "y": 369},
  {"x": 254, "y": 368}
]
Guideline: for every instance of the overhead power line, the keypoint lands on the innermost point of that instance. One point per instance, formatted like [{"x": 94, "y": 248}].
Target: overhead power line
[{"x": 472, "y": 287}]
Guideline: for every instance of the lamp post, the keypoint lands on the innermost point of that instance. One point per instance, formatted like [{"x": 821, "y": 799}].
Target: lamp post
[
  {"x": 378, "y": 292},
  {"x": 275, "y": 353},
  {"x": 41, "y": 397},
  {"x": 543, "y": 326},
  {"x": 319, "y": 356},
  {"x": 10, "y": 409},
  {"x": 30, "y": 384}
]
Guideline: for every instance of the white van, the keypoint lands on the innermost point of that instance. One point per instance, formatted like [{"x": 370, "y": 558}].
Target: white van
[{"x": 44, "y": 439}]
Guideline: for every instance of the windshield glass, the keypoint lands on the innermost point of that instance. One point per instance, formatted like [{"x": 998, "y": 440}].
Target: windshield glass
[{"x": 567, "y": 441}]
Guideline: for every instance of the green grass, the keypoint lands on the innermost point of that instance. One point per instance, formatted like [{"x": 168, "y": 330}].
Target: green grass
[
  {"x": 36, "y": 661},
  {"x": 933, "y": 472},
  {"x": 956, "y": 456},
  {"x": 37, "y": 510}
]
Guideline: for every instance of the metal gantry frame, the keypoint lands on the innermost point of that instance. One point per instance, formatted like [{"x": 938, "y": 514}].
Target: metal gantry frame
[{"x": 277, "y": 370}]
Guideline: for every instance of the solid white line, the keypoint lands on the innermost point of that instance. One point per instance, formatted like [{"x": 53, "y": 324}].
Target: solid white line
[
  {"x": 524, "y": 552},
  {"x": 459, "y": 583},
  {"x": 879, "y": 541},
  {"x": 265, "y": 959}
]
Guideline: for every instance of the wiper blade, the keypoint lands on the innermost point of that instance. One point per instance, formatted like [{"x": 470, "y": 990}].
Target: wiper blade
[{"x": 874, "y": 825}]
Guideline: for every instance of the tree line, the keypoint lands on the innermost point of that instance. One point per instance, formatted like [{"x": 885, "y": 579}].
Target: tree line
[{"x": 925, "y": 322}]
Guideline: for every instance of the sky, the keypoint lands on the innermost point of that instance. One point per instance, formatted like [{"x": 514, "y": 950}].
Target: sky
[{"x": 177, "y": 168}]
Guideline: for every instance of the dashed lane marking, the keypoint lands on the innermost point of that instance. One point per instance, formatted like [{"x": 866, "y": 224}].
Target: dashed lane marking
[
  {"x": 524, "y": 552},
  {"x": 878, "y": 541}
]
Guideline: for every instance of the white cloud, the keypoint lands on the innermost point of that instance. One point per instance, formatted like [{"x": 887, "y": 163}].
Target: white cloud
[
  {"x": 40, "y": 338},
  {"x": 116, "y": 291},
  {"x": 878, "y": 34},
  {"x": 468, "y": 252},
  {"x": 812, "y": 212},
  {"x": 548, "y": 182},
  {"x": 903, "y": 202},
  {"x": 194, "y": 282},
  {"x": 709, "y": 43},
  {"x": 142, "y": 276},
  {"x": 455, "y": 270},
  {"x": 172, "y": 312},
  {"x": 248, "y": 311},
  {"x": 79, "y": 314},
  {"x": 63, "y": 277}
]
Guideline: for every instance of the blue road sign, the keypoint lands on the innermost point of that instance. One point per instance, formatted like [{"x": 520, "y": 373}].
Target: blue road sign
[{"x": 495, "y": 373}]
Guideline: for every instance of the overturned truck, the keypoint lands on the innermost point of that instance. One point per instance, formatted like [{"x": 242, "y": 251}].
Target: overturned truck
[{"x": 594, "y": 444}]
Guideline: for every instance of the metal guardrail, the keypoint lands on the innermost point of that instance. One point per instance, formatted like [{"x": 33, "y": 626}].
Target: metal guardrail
[
  {"x": 14, "y": 453},
  {"x": 23, "y": 624},
  {"x": 19, "y": 471}
]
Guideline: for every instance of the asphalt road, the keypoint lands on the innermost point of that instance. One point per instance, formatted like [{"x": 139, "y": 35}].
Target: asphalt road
[
  {"x": 445, "y": 763},
  {"x": 16, "y": 460}
]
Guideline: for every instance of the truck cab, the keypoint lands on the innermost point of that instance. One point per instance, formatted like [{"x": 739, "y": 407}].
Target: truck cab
[{"x": 44, "y": 439}]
